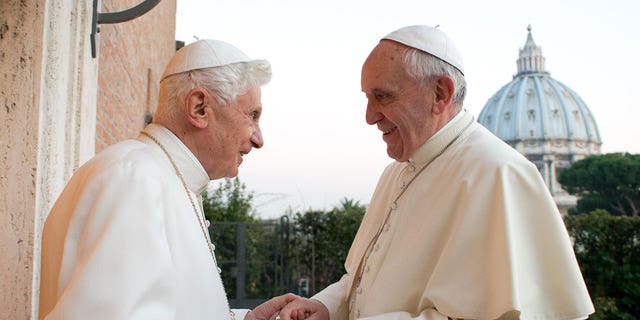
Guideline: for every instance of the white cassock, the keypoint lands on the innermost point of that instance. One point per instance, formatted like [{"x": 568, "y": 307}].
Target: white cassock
[
  {"x": 123, "y": 240},
  {"x": 476, "y": 235}
]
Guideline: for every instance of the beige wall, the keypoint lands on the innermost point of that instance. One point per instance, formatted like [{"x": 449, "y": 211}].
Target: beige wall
[
  {"x": 48, "y": 96},
  {"x": 20, "y": 71}
]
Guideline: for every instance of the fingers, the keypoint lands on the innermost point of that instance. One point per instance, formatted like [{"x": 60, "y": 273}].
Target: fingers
[
  {"x": 275, "y": 316},
  {"x": 270, "y": 310},
  {"x": 284, "y": 299},
  {"x": 292, "y": 307},
  {"x": 301, "y": 314},
  {"x": 289, "y": 297},
  {"x": 299, "y": 309},
  {"x": 286, "y": 313}
]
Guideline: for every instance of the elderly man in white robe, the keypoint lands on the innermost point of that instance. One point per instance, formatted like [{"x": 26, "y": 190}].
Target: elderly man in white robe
[
  {"x": 460, "y": 226},
  {"x": 127, "y": 238}
]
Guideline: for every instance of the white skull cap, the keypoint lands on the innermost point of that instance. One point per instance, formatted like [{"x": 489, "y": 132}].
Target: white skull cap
[
  {"x": 430, "y": 40},
  {"x": 202, "y": 54}
]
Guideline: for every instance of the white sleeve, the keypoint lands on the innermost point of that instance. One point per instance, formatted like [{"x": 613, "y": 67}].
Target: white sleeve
[
  {"x": 116, "y": 262},
  {"x": 334, "y": 297},
  {"x": 429, "y": 314},
  {"x": 432, "y": 314},
  {"x": 239, "y": 314}
]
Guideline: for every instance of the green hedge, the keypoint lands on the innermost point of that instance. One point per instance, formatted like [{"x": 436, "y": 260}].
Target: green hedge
[
  {"x": 607, "y": 248},
  {"x": 320, "y": 243},
  {"x": 608, "y": 251}
]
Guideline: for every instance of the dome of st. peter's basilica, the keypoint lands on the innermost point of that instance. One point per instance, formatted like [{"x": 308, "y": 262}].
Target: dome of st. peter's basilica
[{"x": 543, "y": 119}]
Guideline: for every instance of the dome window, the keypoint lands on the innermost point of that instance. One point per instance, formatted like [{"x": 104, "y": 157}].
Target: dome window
[{"x": 576, "y": 114}]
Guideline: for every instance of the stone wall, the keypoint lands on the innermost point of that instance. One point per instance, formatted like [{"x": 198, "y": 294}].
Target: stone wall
[
  {"x": 58, "y": 105},
  {"x": 20, "y": 55},
  {"x": 133, "y": 55}
]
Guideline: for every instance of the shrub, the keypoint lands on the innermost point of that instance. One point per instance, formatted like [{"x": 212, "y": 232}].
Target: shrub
[{"x": 608, "y": 250}]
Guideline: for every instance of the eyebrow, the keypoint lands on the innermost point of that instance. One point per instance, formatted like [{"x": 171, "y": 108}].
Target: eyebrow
[{"x": 383, "y": 92}]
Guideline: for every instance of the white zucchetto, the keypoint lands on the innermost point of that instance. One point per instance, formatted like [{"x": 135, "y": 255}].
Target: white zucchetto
[
  {"x": 430, "y": 40},
  {"x": 202, "y": 54}
]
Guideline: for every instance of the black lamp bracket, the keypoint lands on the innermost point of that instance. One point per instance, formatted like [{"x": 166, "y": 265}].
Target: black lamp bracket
[{"x": 115, "y": 17}]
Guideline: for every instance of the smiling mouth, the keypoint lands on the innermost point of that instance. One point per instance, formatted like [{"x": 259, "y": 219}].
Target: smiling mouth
[{"x": 388, "y": 131}]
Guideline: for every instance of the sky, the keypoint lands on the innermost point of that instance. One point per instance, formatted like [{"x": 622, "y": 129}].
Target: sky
[{"x": 318, "y": 148}]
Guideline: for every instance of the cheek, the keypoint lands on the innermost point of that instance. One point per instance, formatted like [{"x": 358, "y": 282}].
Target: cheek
[
  {"x": 244, "y": 130},
  {"x": 248, "y": 130}
]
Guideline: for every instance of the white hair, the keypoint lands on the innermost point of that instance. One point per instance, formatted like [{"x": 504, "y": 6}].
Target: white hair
[
  {"x": 224, "y": 83},
  {"x": 422, "y": 66}
]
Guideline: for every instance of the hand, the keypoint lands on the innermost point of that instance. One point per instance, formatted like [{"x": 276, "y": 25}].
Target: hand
[
  {"x": 303, "y": 308},
  {"x": 269, "y": 309}
]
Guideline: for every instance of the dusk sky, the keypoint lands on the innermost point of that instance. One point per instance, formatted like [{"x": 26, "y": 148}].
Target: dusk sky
[{"x": 318, "y": 148}]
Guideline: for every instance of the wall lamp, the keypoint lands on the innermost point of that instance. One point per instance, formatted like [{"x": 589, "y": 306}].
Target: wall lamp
[{"x": 115, "y": 17}]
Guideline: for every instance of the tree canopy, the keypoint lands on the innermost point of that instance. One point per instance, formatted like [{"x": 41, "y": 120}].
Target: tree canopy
[
  {"x": 231, "y": 201},
  {"x": 608, "y": 252},
  {"x": 609, "y": 181},
  {"x": 315, "y": 244},
  {"x": 321, "y": 241}
]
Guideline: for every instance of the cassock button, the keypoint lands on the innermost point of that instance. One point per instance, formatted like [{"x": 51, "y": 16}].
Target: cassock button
[
  {"x": 402, "y": 185},
  {"x": 207, "y": 223},
  {"x": 386, "y": 227},
  {"x": 213, "y": 246},
  {"x": 359, "y": 290},
  {"x": 367, "y": 269},
  {"x": 376, "y": 247},
  {"x": 411, "y": 165},
  {"x": 394, "y": 205},
  {"x": 219, "y": 270}
]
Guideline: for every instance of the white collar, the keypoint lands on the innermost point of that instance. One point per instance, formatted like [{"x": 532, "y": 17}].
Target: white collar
[
  {"x": 194, "y": 174},
  {"x": 453, "y": 120}
]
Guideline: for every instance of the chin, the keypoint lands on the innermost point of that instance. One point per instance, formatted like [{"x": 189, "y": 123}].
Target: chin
[
  {"x": 392, "y": 155},
  {"x": 233, "y": 174}
]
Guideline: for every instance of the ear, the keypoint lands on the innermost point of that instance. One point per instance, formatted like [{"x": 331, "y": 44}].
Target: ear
[
  {"x": 443, "y": 94},
  {"x": 196, "y": 108}
]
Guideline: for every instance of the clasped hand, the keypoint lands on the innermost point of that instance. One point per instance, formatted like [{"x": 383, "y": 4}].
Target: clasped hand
[{"x": 289, "y": 307}]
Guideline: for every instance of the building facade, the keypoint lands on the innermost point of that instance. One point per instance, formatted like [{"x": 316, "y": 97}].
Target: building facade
[
  {"x": 543, "y": 119},
  {"x": 59, "y": 105}
]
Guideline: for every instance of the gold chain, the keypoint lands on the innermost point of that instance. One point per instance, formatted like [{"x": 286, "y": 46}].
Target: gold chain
[
  {"x": 193, "y": 204},
  {"x": 367, "y": 251},
  {"x": 207, "y": 240}
]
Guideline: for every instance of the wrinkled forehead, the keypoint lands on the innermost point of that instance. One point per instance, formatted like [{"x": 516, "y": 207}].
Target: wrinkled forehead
[
  {"x": 384, "y": 63},
  {"x": 387, "y": 52}
]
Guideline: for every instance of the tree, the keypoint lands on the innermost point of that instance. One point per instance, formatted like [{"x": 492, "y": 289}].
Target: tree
[
  {"x": 321, "y": 242},
  {"x": 317, "y": 246},
  {"x": 229, "y": 205},
  {"x": 609, "y": 181},
  {"x": 608, "y": 250},
  {"x": 230, "y": 202}
]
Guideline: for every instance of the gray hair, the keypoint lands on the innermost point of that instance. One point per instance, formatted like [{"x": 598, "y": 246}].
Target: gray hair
[
  {"x": 423, "y": 67},
  {"x": 224, "y": 83}
]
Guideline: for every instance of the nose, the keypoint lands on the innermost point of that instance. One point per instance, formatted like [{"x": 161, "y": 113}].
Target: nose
[
  {"x": 372, "y": 115},
  {"x": 256, "y": 138}
]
